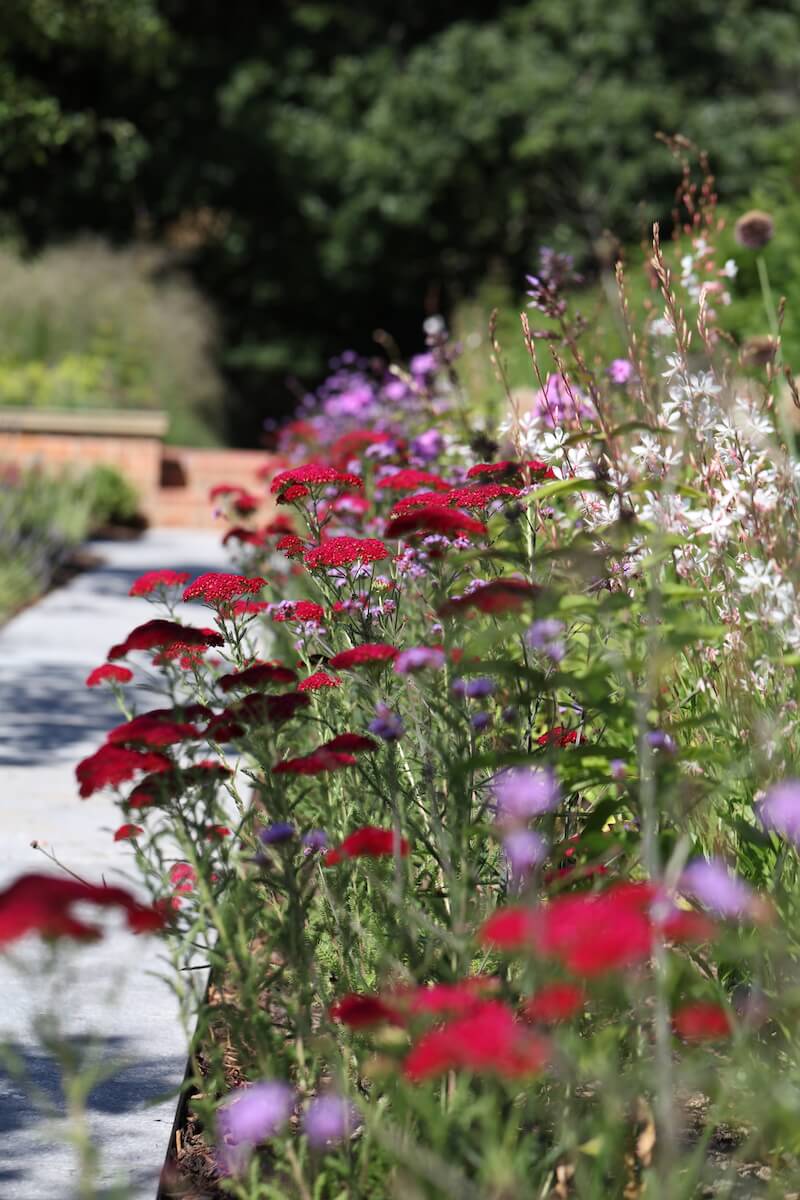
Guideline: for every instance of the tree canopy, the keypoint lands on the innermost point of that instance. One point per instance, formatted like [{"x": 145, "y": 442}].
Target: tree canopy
[{"x": 326, "y": 169}]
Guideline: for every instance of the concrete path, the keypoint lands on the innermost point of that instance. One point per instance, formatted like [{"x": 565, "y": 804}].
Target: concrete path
[{"x": 49, "y": 721}]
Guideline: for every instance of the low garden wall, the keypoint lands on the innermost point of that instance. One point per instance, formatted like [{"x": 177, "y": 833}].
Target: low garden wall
[{"x": 173, "y": 482}]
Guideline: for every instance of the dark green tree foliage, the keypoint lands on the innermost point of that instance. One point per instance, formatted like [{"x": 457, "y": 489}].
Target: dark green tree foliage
[{"x": 369, "y": 161}]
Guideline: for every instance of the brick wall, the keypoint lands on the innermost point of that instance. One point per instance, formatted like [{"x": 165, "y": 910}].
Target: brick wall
[{"x": 173, "y": 482}]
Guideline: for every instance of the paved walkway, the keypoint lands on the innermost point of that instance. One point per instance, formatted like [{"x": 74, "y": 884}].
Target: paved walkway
[{"x": 48, "y": 721}]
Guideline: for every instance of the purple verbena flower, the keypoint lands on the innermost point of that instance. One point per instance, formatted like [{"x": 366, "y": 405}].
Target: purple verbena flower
[
  {"x": 780, "y": 809},
  {"x": 478, "y": 689},
  {"x": 428, "y": 445},
  {"x": 525, "y": 850},
  {"x": 281, "y": 831},
  {"x": 657, "y": 739},
  {"x": 524, "y": 792},
  {"x": 329, "y": 1119},
  {"x": 387, "y": 724},
  {"x": 419, "y": 658},
  {"x": 481, "y": 721},
  {"x": 248, "y": 1116},
  {"x": 713, "y": 885},
  {"x": 315, "y": 839},
  {"x": 546, "y": 636}
]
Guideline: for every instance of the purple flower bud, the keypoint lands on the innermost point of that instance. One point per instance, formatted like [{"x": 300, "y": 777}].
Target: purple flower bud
[
  {"x": 780, "y": 809},
  {"x": 618, "y": 769},
  {"x": 387, "y": 724},
  {"x": 428, "y": 445},
  {"x": 281, "y": 831},
  {"x": 657, "y": 739},
  {"x": 525, "y": 850},
  {"x": 481, "y": 721},
  {"x": 315, "y": 839},
  {"x": 329, "y": 1119},
  {"x": 713, "y": 885},
  {"x": 524, "y": 792}
]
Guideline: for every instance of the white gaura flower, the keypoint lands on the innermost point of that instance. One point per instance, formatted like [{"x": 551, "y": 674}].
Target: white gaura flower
[
  {"x": 765, "y": 499},
  {"x": 757, "y": 576},
  {"x": 715, "y": 522},
  {"x": 730, "y": 270}
]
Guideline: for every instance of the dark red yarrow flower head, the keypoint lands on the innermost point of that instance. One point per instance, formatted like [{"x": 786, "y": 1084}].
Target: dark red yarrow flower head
[
  {"x": 273, "y": 708},
  {"x": 361, "y": 1012},
  {"x": 160, "y": 633},
  {"x": 434, "y": 518},
  {"x": 350, "y": 445},
  {"x": 259, "y": 674},
  {"x": 299, "y": 610},
  {"x": 218, "y": 587},
  {"x": 511, "y": 470},
  {"x": 344, "y": 551},
  {"x": 112, "y": 765},
  {"x": 108, "y": 673},
  {"x": 350, "y": 743},
  {"x": 367, "y": 654},
  {"x": 156, "y": 580},
  {"x": 156, "y": 728},
  {"x": 315, "y": 763},
  {"x": 43, "y": 904},
  {"x": 369, "y": 842},
  {"x": 248, "y": 537},
  {"x": 497, "y": 596},
  {"x": 558, "y": 736}
]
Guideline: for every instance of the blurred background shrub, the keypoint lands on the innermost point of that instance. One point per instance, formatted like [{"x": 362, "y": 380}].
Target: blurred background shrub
[
  {"x": 45, "y": 518},
  {"x": 324, "y": 169},
  {"x": 88, "y": 325}
]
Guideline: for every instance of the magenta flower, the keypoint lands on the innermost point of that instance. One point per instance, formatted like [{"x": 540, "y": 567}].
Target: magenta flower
[
  {"x": 329, "y": 1119},
  {"x": 780, "y": 809},
  {"x": 524, "y": 792},
  {"x": 620, "y": 370},
  {"x": 713, "y": 885}
]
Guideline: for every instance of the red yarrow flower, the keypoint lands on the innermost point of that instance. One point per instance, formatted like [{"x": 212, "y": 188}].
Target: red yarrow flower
[
  {"x": 108, "y": 673},
  {"x": 160, "y": 634},
  {"x": 128, "y": 833},
  {"x": 43, "y": 904},
  {"x": 450, "y": 998},
  {"x": 497, "y": 596},
  {"x": 434, "y": 518},
  {"x": 408, "y": 478},
  {"x": 315, "y": 763},
  {"x": 273, "y": 708},
  {"x": 701, "y": 1021},
  {"x": 554, "y": 1003},
  {"x": 558, "y": 736},
  {"x": 362, "y": 1012},
  {"x": 151, "y": 581},
  {"x": 369, "y": 842},
  {"x": 367, "y": 654},
  {"x": 259, "y": 674},
  {"x": 511, "y": 470},
  {"x": 156, "y": 728},
  {"x": 487, "y": 1040},
  {"x": 350, "y": 743},
  {"x": 218, "y": 587},
  {"x": 166, "y": 785},
  {"x": 111, "y": 765},
  {"x": 593, "y": 932},
  {"x": 344, "y": 551},
  {"x": 248, "y": 537},
  {"x": 318, "y": 681},
  {"x": 216, "y": 833},
  {"x": 300, "y": 610},
  {"x": 291, "y": 545},
  {"x": 478, "y": 495},
  {"x": 351, "y": 445},
  {"x": 312, "y": 475}
]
